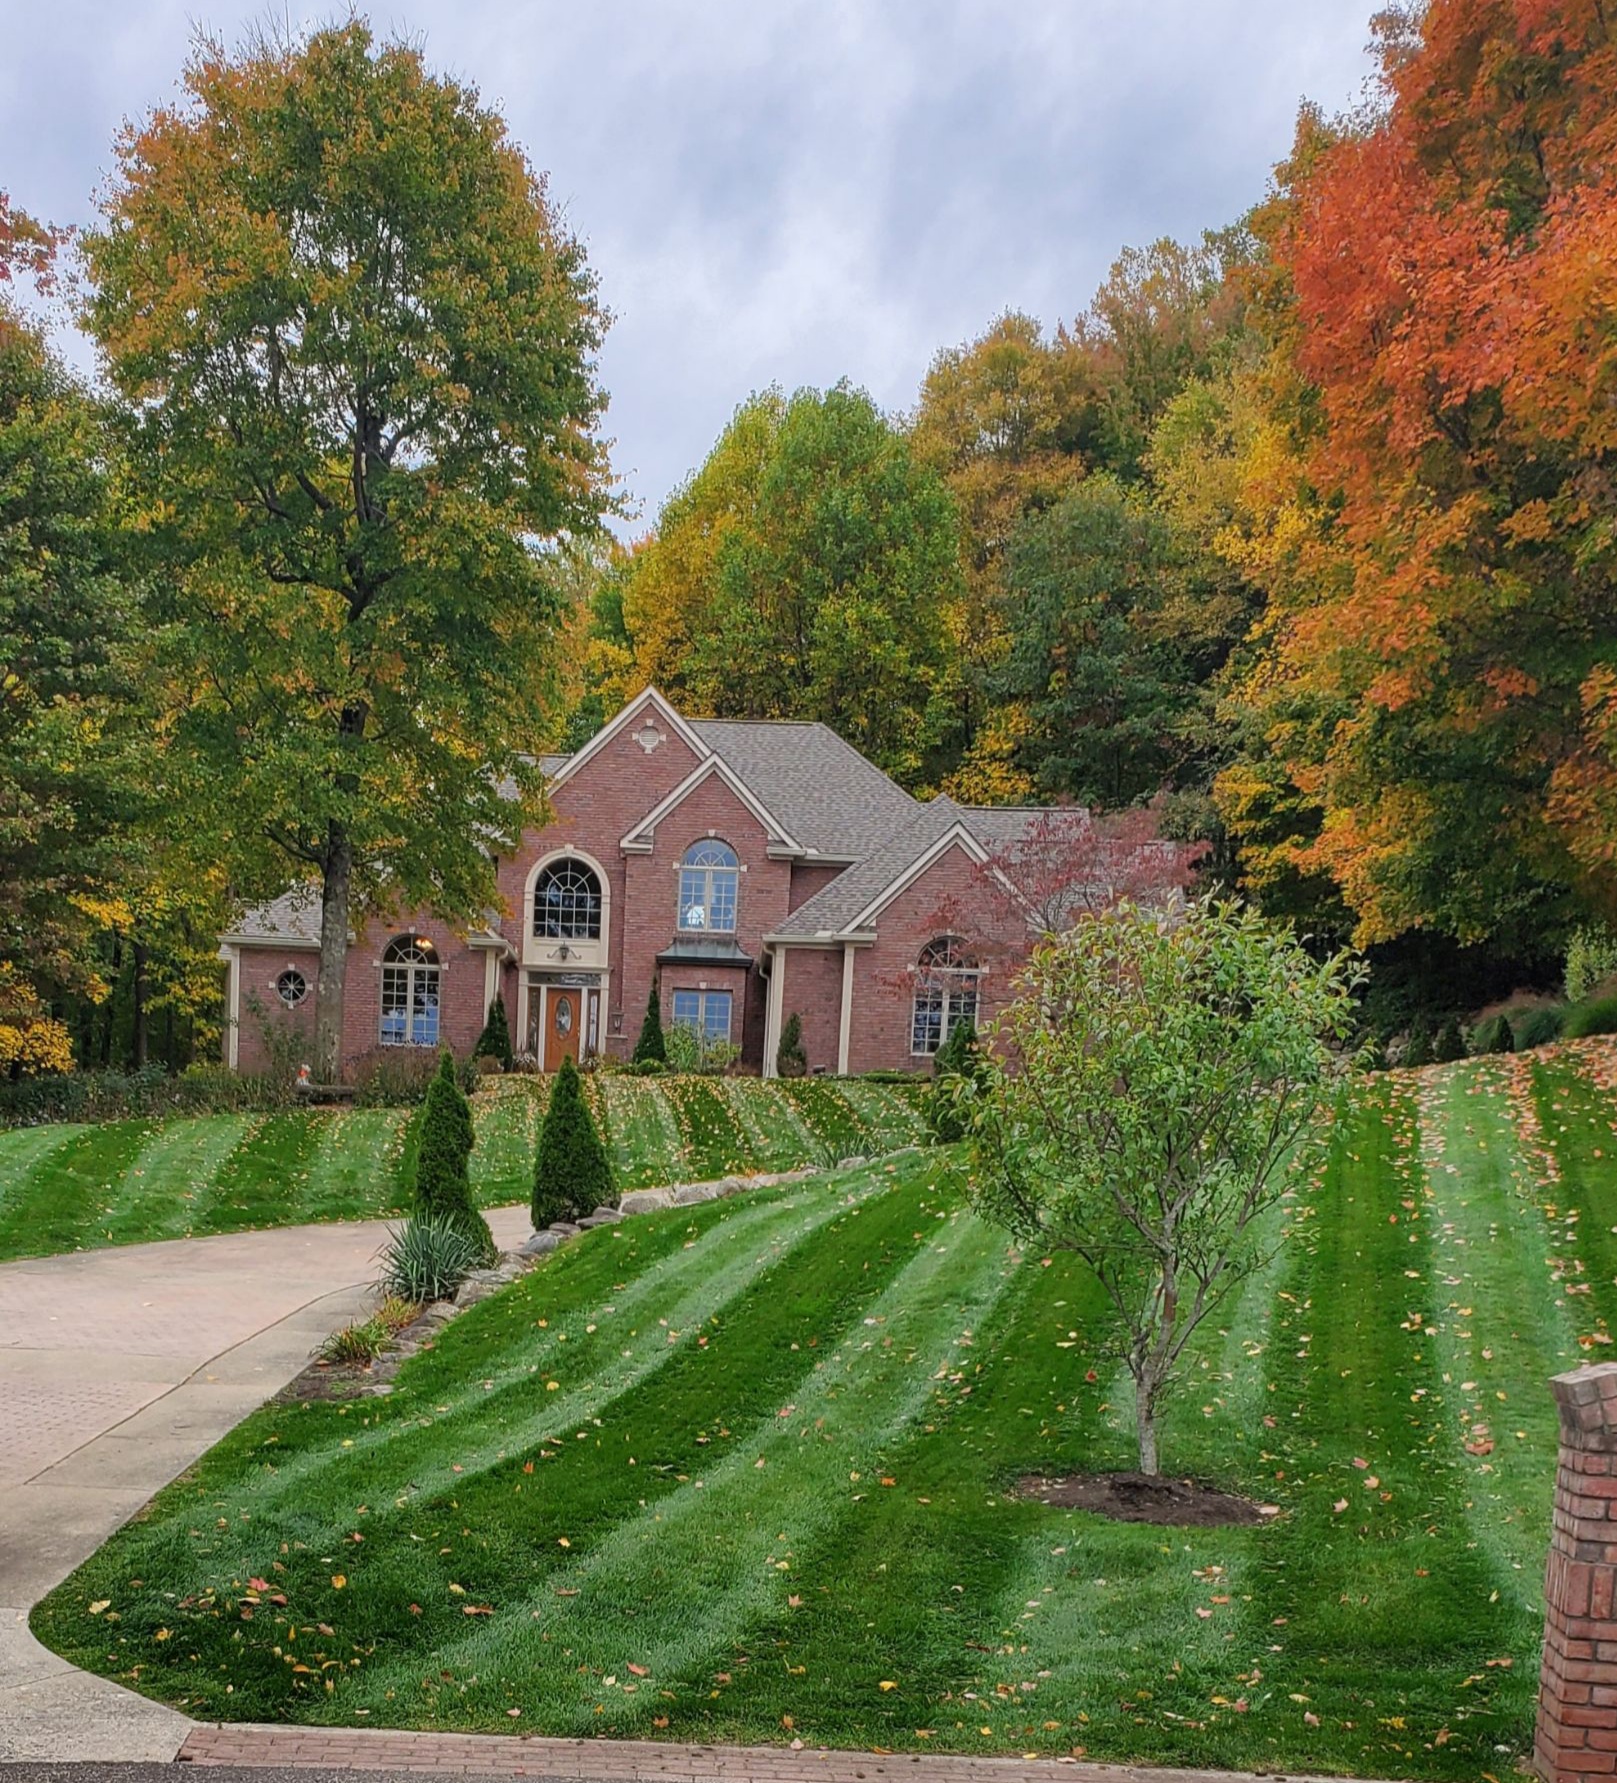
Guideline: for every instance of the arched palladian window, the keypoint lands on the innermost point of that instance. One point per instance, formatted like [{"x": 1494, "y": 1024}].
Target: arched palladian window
[
  {"x": 410, "y": 980},
  {"x": 708, "y": 881},
  {"x": 945, "y": 993},
  {"x": 567, "y": 902}
]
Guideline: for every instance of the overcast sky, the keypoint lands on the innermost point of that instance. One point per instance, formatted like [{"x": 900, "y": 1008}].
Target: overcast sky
[{"x": 785, "y": 191}]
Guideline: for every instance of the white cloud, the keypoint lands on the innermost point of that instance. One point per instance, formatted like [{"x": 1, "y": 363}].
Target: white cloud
[{"x": 787, "y": 191}]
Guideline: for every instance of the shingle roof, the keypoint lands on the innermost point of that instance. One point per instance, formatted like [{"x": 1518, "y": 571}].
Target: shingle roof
[
  {"x": 835, "y": 906},
  {"x": 818, "y": 787},
  {"x": 293, "y": 917}
]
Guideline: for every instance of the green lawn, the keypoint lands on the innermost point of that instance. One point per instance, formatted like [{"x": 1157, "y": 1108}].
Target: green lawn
[
  {"x": 739, "y": 1473},
  {"x": 70, "y": 1187}
]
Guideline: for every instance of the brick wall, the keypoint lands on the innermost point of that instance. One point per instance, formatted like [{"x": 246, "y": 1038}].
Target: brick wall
[
  {"x": 461, "y": 1009},
  {"x": 260, "y": 967},
  {"x": 813, "y": 991},
  {"x": 808, "y": 877},
  {"x": 1577, "y": 1704},
  {"x": 883, "y": 982}
]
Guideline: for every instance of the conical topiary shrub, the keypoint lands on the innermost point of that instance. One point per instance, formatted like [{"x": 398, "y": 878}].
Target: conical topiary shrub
[
  {"x": 495, "y": 1040},
  {"x": 443, "y": 1189},
  {"x": 650, "y": 1048},
  {"x": 790, "y": 1058},
  {"x": 571, "y": 1175},
  {"x": 959, "y": 1056}
]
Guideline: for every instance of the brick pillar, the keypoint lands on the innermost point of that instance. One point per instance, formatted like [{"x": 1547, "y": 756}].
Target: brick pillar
[{"x": 1577, "y": 1694}]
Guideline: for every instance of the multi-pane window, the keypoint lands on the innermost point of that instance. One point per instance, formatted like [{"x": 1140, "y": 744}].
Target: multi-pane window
[
  {"x": 945, "y": 993},
  {"x": 292, "y": 987},
  {"x": 708, "y": 878},
  {"x": 410, "y": 980},
  {"x": 567, "y": 903},
  {"x": 707, "y": 1013}
]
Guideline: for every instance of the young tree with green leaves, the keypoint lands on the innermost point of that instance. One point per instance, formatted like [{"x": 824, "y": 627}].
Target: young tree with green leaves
[
  {"x": 572, "y": 1175},
  {"x": 1155, "y": 1087},
  {"x": 355, "y": 350},
  {"x": 443, "y": 1189}
]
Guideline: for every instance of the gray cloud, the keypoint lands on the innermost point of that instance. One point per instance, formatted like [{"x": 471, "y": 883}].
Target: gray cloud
[{"x": 787, "y": 191}]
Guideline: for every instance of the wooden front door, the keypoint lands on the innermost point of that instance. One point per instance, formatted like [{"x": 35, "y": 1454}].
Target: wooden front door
[{"x": 564, "y": 1024}]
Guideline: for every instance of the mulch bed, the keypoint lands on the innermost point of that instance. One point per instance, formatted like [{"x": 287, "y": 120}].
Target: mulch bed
[{"x": 1140, "y": 1498}]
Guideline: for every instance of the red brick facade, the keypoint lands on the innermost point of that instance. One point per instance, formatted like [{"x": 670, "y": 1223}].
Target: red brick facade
[
  {"x": 627, "y": 808},
  {"x": 1577, "y": 1701}
]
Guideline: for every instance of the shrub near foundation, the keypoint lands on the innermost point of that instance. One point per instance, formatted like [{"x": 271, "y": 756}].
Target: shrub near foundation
[{"x": 571, "y": 1176}]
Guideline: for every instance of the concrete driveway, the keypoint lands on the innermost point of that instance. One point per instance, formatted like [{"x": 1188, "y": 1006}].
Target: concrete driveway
[{"x": 118, "y": 1368}]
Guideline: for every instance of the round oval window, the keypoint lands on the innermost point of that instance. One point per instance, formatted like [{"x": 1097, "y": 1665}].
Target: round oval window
[
  {"x": 564, "y": 1015},
  {"x": 291, "y": 987}
]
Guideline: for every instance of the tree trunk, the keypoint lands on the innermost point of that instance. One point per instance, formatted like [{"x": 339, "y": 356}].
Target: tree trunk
[
  {"x": 139, "y": 986},
  {"x": 331, "y": 978},
  {"x": 1145, "y": 1423}
]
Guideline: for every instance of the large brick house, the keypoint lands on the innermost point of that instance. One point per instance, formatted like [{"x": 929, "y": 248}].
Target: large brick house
[{"x": 755, "y": 869}]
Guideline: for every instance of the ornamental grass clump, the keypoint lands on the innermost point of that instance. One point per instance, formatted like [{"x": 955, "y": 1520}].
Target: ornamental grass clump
[
  {"x": 443, "y": 1189},
  {"x": 427, "y": 1259},
  {"x": 571, "y": 1176},
  {"x": 1154, "y": 1088}
]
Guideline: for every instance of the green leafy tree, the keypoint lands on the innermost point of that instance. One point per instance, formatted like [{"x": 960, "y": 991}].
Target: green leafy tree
[
  {"x": 652, "y": 1046},
  {"x": 443, "y": 1189},
  {"x": 1155, "y": 1087},
  {"x": 790, "y": 1059},
  {"x": 355, "y": 353},
  {"x": 495, "y": 1040},
  {"x": 1117, "y": 629},
  {"x": 572, "y": 1174},
  {"x": 806, "y": 572}
]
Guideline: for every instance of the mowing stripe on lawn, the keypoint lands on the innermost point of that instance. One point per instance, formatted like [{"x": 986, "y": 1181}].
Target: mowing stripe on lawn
[
  {"x": 644, "y": 1136},
  {"x": 775, "y": 1133},
  {"x": 58, "y": 1203},
  {"x": 265, "y": 1177},
  {"x": 1385, "y": 1606},
  {"x": 510, "y": 1410},
  {"x": 506, "y": 1124},
  {"x": 1570, "y": 1124},
  {"x": 355, "y": 1173},
  {"x": 171, "y": 1178},
  {"x": 23, "y": 1149},
  {"x": 718, "y": 1565},
  {"x": 1494, "y": 1314},
  {"x": 826, "y": 1115},
  {"x": 890, "y": 1115},
  {"x": 714, "y": 1144}
]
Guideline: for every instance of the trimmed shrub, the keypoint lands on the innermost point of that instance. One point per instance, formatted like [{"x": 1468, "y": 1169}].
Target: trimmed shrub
[
  {"x": 790, "y": 1058},
  {"x": 443, "y": 1189},
  {"x": 571, "y": 1175},
  {"x": 427, "y": 1259},
  {"x": 1538, "y": 1027},
  {"x": 392, "y": 1076},
  {"x": 651, "y": 1048},
  {"x": 959, "y": 1057},
  {"x": 1591, "y": 958},
  {"x": 495, "y": 1040},
  {"x": 1418, "y": 1047},
  {"x": 1493, "y": 1035},
  {"x": 1598, "y": 1016},
  {"x": 1450, "y": 1042}
]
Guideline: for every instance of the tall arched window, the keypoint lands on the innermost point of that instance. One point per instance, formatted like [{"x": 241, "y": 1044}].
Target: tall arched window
[
  {"x": 945, "y": 993},
  {"x": 410, "y": 979},
  {"x": 567, "y": 902},
  {"x": 708, "y": 882}
]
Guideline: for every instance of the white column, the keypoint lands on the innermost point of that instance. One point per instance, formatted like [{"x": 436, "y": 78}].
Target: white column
[
  {"x": 233, "y": 1009},
  {"x": 491, "y": 978},
  {"x": 520, "y": 1038},
  {"x": 777, "y": 998},
  {"x": 845, "y": 1026}
]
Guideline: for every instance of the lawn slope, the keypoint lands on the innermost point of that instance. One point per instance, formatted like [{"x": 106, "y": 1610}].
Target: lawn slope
[
  {"x": 740, "y": 1472},
  {"x": 71, "y": 1187}
]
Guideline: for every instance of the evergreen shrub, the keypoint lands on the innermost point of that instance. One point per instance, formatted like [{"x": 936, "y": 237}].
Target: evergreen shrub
[
  {"x": 572, "y": 1175},
  {"x": 443, "y": 1188},
  {"x": 790, "y": 1058}
]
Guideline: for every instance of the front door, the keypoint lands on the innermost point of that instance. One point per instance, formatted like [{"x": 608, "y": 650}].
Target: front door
[{"x": 564, "y": 1009}]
